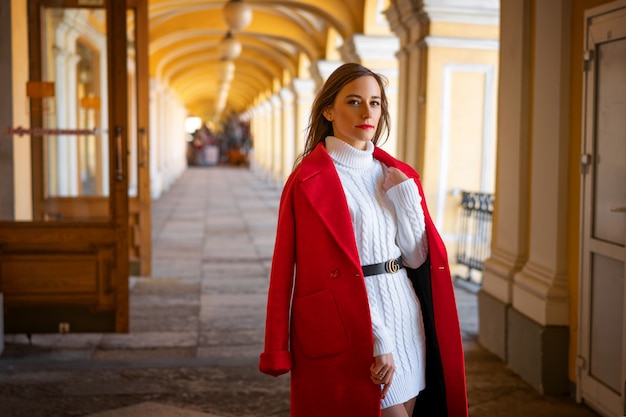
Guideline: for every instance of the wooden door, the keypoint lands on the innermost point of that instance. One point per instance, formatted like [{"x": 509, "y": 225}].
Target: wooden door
[
  {"x": 89, "y": 190},
  {"x": 66, "y": 268},
  {"x": 602, "y": 344},
  {"x": 140, "y": 224}
]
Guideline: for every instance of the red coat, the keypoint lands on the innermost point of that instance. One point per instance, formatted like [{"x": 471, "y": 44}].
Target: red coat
[{"x": 324, "y": 303}]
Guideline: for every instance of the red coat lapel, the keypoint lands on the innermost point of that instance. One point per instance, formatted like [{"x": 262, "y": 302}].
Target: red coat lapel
[{"x": 322, "y": 188}]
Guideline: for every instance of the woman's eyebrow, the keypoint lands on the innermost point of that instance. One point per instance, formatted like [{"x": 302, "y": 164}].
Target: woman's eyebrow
[{"x": 358, "y": 96}]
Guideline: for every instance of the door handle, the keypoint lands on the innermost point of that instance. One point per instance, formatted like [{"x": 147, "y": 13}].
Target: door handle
[
  {"x": 143, "y": 159},
  {"x": 618, "y": 209},
  {"x": 119, "y": 175}
]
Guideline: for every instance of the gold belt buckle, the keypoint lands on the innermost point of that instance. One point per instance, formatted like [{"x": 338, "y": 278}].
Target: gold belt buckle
[{"x": 393, "y": 265}]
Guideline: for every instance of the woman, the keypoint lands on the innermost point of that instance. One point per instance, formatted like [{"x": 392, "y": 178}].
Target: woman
[{"x": 355, "y": 248}]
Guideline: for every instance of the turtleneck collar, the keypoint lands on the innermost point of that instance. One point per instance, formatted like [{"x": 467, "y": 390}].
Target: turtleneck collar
[{"x": 349, "y": 156}]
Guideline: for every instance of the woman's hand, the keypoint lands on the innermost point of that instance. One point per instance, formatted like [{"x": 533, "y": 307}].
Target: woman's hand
[
  {"x": 392, "y": 176},
  {"x": 382, "y": 371}
]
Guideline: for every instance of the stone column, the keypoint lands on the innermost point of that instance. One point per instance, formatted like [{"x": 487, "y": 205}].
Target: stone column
[
  {"x": 181, "y": 140},
  {"x": 15, "y": 153},
  {"x": 155, "y": 135},
  {"x": 305, "y": 94},
  {"x": 400, "y": 126},
  {"x": 268, "y": 137},
  {"x": 287, "y": 134},
  {"x": 7, "y": 191},
  {"x": 540, "y": 290},
  {"x": 162, "y": 116},
  {"x": 253, "y": 116},
  {"x": 65, "y": 60},
  {"x": 1, "y": 323},
  {"x": 72, "y": 122},
  {"x": 276, "y": 138},
  {"x": 58, "y": 179},
  {"x": 166, "y": 156},
  {"x": 378, "y": 53},
  {"x": 7, "y": 196},
  {"x": 410, "y": 25},
  {"x": 509, "y": 240},
  {"x": 260, "y": 140}
]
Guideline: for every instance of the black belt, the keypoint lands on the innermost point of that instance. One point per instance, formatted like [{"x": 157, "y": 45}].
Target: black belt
[{"x": 390, "y": 267}]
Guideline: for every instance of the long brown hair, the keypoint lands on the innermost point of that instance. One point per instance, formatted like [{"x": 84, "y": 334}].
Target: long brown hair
[{"x": 319, "y": 127}]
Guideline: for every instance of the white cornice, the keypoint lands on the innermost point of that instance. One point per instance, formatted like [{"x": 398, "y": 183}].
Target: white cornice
[
  {"x": 478, "y": 12},
  {"x": 464, "y": 43},
  {"x": 376, "y": 47}
]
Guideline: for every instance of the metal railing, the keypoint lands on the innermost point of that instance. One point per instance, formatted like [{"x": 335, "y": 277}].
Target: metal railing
[{"x": 476, "y": 219}]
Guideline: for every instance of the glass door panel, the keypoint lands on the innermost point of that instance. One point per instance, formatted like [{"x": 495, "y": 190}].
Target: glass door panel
[{"x": 75, "y": 180}]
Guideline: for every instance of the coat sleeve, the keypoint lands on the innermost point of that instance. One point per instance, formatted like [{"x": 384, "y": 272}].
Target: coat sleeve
[{"x": 276, "y": 358}]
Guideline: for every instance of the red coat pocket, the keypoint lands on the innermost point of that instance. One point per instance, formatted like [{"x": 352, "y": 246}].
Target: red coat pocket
[{"x": 317, "y": 327}]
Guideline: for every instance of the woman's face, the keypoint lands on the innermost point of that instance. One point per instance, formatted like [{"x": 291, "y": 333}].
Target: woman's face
[{"x": 356, "y": 111}]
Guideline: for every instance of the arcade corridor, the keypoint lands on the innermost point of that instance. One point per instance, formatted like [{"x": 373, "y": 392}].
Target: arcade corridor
[{"x": 148, "y": 277}]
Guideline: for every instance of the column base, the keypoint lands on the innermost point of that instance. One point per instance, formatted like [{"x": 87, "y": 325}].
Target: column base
[
  {"x": 492, "y": 319},
  {"x": 538, "y": 354},
  {"x": 1, "y": 324}
]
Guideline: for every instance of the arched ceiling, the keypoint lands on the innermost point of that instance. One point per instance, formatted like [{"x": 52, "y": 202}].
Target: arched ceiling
[{"x": 282, "y": 38}]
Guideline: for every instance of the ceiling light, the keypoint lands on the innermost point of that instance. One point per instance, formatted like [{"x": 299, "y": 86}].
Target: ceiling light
[
  {"x": 230, "y": 48},
  {"x": 237, "y": 14},
  {"x": 226, "y": 69}
]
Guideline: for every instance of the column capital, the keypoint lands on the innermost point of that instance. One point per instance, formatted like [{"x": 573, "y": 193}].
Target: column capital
[
  {"x": 462, "y": 43},
  {"x": 275, "y": 101},
  {"x": 303, "y": 86},
  {"x": 321, "y": 69},
  {"x": 286, "y": 95},
  {"x": 266, "y": 106},
  {"x": 405, "y": 16},
  {"x": 478, "y": 12},
  {"x": 361, "y": 48}
]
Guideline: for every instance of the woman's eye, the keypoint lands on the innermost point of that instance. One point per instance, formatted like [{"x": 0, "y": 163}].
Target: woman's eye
[
  {"x": 375, "y": 103},
  {"x": 353, "y": 102}
]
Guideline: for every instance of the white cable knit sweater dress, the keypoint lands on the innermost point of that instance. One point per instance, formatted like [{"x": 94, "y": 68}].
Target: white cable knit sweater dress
[{"x": 387, "y": 225}]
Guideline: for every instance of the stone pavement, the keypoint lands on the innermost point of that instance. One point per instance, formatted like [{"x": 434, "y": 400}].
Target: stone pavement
[{"x": 196, "y": 326}]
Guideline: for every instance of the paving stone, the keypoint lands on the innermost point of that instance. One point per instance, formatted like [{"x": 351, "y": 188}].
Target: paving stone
[{"x": 152, "y": 410}]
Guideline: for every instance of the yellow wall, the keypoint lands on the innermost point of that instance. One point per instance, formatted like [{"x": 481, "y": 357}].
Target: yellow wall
[
  {"x": 21, "y": 145},
  {"x": 465, "y": 101},
  {"x": 374, "y": 22},
  {"x": 464, "y": 30}
]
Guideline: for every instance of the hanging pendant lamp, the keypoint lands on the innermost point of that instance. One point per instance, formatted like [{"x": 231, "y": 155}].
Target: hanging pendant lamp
[
  {"x": 237, "y": 14},
  {"x": 229, "y": 47}
]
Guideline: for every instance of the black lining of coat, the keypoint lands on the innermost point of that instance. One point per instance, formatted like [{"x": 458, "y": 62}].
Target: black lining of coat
[{"x": 432, "y": 400}]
